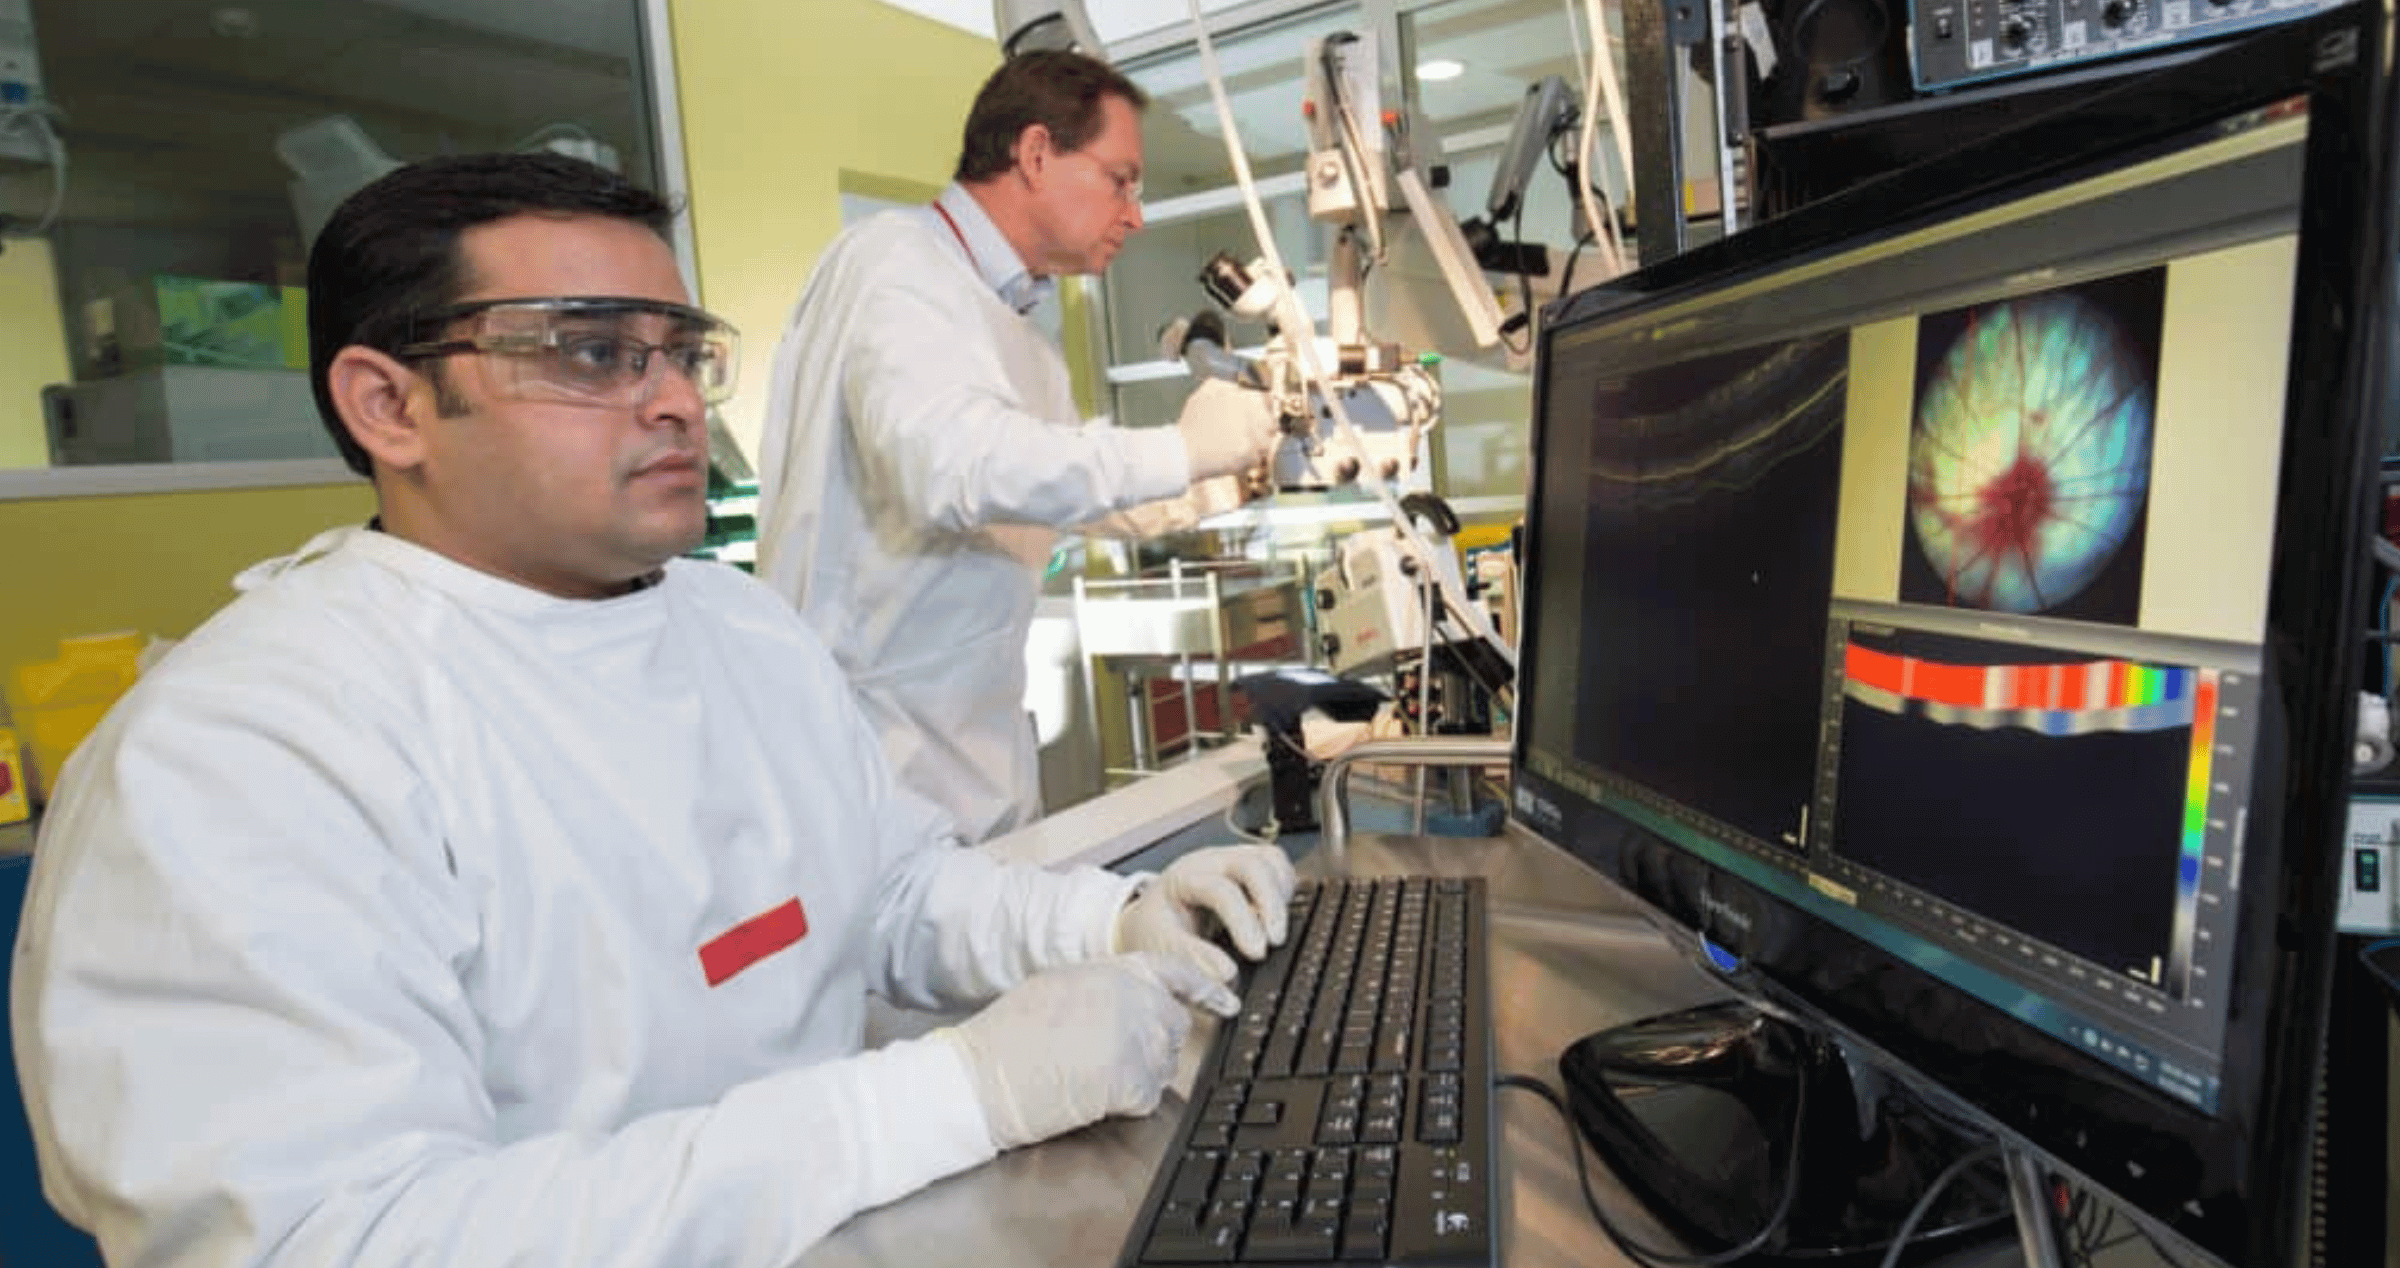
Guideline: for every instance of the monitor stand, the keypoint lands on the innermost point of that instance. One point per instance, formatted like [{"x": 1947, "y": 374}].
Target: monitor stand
[{"x": 1694, "y": 1112}]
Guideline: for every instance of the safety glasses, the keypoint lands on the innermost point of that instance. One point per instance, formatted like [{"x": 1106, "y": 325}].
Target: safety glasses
[{"x": 585, "y": 351}]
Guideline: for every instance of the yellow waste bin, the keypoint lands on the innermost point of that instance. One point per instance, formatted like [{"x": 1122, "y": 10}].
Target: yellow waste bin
[
  {"x": 55, "y": 703},
  {"x": 15, "y": 804}
]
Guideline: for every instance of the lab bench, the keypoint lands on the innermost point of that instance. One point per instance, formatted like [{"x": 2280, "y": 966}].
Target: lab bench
[{"x": 1570, "y": 953}]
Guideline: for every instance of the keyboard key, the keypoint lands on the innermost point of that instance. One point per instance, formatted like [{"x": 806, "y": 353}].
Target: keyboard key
[
  {"x": 1332, "y": 1165},
  {"x": 1365, "y": 1230},
  {"x": 1293, "y": 1244},
  {"x": 1195, "y": 1177},
  {"x": 1226, "y": 1211},
  {"x": 1215, "y": 1245},
  {"x": 1351, "y": 1088},
  {"x": 1246, "y": 1165}
]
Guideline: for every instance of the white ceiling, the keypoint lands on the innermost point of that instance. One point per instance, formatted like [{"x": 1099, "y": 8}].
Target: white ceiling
[
  {"x": 1504, "y": 45},
  {"x": 974, "y": 16}
]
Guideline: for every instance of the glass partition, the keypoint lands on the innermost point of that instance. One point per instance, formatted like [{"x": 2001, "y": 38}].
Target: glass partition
[
  {"x": 1466, "y": 65},
  {"x": 161, "y": 183}
]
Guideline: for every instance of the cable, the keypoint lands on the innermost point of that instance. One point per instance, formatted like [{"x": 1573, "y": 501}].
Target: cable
[
  {"x": 1644, "y": 1254},
  {"x": 36, "y": 119},
  {"x": 1933, "y": 1192},
  {"x": 1496, "y": 690},
  {"x": 1566, "y": 276},
  {"x": 2383, "y": 625},
  {"x": 1575, "y": 40},
  {"x": 2091, "y": 1228},
  {"x": 1603, "y": 81},
  {"x": 1524, "y": 279},
  {"x": 1267, "y": 833},
  {"x": 2088, "y": 1222},
  {"x": 1294, "y": 319},
  {"x": 1424, "y": 697}
]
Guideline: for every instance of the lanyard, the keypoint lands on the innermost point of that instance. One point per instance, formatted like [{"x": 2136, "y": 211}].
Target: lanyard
[{"x": 944, "y": 213}]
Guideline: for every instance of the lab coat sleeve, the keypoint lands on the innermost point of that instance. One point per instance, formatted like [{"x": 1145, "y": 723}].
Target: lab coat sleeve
[
  {"x": 939, "y": 423},
  {"x": 241, "y": 1020},
  {"x": 1182, "y": 513},
  {"x": 954, "y": 925},
  {"x": 957, "y": 927}
]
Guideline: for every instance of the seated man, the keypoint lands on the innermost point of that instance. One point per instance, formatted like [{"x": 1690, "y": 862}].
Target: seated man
[{"x": 490, "y": 885}]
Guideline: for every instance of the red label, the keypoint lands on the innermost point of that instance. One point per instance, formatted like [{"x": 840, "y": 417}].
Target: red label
[
  {"x": 752, "y": 940},
  {"x": 8, "y": 778}
]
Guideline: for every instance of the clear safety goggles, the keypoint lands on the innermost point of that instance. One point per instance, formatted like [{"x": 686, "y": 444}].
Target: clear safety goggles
[{"x": 587, "y": 351}]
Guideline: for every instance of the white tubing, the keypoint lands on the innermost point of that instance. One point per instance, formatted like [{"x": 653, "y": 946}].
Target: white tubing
[
  {"x": 1575, "y": 41},
  {"x": 1602, "y": 82}
]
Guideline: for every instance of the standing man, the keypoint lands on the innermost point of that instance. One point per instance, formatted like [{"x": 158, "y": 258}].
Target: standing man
[
  {"x": 489, "y": 885},
  {"x": 923, "y": 449}
]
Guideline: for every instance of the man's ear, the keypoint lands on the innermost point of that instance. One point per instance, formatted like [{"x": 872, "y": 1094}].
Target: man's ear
[
  {"x": 1034, "y": 150},
  {"x": 383, "y": 403}
]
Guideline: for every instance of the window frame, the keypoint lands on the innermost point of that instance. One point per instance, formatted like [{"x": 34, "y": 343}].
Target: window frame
[{"x": 657, "y": 53}]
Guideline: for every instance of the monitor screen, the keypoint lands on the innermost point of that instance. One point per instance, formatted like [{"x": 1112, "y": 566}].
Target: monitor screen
[{"x": 1939, "y": 607}]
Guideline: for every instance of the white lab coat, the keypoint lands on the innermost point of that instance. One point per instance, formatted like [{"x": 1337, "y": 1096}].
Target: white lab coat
[
  {"x": 921, "y": 452},
  {"x": 366, "y": 930}
]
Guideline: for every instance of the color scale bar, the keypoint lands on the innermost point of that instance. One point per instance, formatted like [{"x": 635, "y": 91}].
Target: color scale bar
[
  {"x": 2195, "y": 834},
  {"x": 2098, "y": 684}
]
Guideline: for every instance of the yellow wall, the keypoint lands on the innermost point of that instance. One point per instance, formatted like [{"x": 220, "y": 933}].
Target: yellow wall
[
  {"x": 35, "y": 349},
  {"x": 160, "y": 563},
  {"x": 779, "y": 97}
]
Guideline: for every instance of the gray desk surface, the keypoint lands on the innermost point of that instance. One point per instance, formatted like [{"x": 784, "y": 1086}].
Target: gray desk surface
[{"x": 1570, "y": 954}]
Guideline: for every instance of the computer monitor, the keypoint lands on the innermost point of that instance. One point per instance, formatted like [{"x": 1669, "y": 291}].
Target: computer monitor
[{"x": 1941, "y": 610}]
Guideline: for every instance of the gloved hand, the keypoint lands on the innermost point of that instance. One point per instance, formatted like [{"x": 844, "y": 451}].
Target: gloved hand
[
  {"x": 1245, "y": 889},
  {"x": 1227, "y": 429},
  {"x": 1072, "y": 1045}
]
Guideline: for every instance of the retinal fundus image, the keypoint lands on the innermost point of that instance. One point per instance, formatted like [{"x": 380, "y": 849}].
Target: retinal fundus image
[{"x": 2029, "y": 454}]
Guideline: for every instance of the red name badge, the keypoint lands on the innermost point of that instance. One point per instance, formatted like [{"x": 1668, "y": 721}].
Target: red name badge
[{"x": 753, "y": 940}]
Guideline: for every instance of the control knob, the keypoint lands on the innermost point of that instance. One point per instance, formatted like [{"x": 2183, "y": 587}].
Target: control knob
[{"x": 2017, "y": 31}]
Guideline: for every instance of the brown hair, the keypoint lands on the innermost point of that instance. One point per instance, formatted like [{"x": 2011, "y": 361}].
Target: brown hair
[{"x": 1060, "y": 90}]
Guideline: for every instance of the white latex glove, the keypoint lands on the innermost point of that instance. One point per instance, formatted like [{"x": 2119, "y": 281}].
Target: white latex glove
[
  {"x": 1244, "y": 889},
  {"x": 1072, "y": 1045},
  {"x": 1227, "y": 429}
]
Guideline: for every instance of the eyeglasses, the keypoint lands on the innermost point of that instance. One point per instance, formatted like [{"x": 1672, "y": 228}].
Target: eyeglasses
[
  {"x": 587, "y": 351},
  {"x": 1127, "y": 183}
]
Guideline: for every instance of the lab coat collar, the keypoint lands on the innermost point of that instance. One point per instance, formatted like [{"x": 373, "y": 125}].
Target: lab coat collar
[
  {"x": 639, "y": 605},
  {"x": 988, "y": 250}
]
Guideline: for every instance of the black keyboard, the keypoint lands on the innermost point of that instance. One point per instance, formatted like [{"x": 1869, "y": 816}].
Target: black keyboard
[{"x": 1345, "y": 1116}]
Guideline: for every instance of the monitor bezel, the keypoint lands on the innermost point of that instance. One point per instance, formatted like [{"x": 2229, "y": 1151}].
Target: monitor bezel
[{"x": 2231, "y": 1183}]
